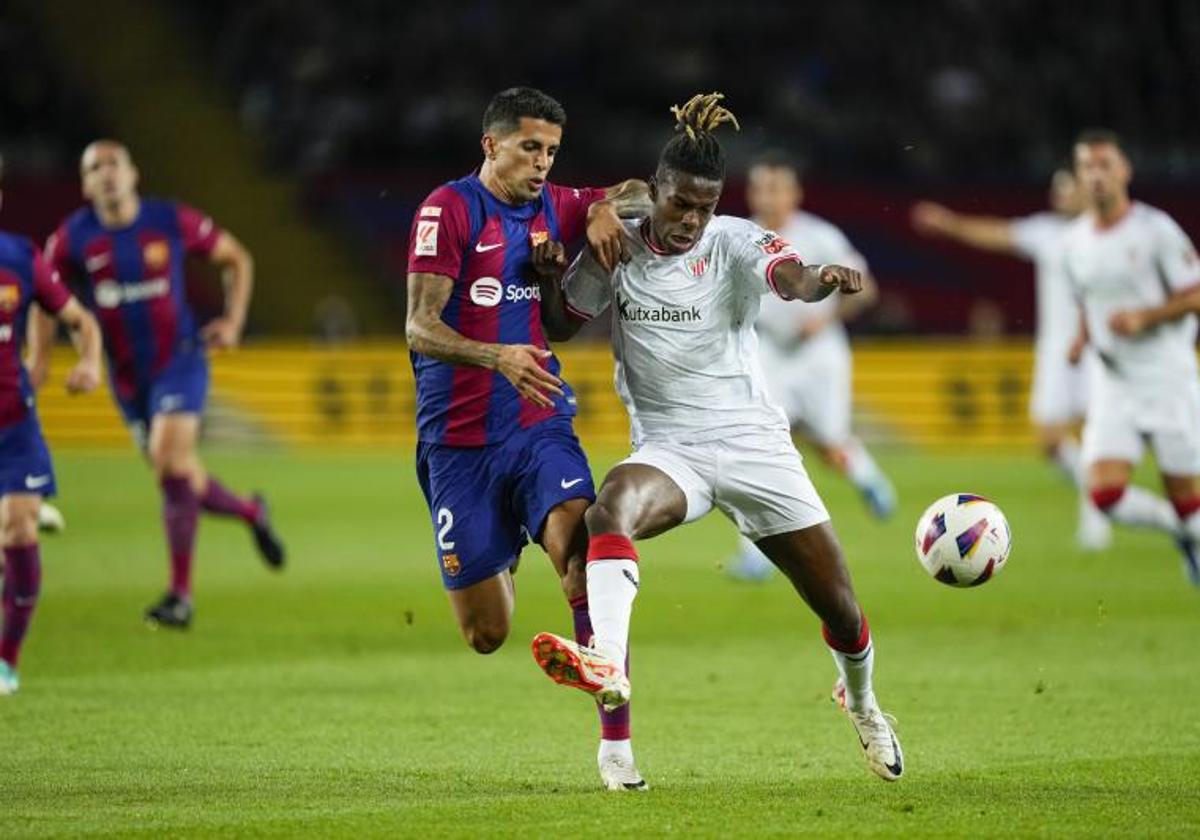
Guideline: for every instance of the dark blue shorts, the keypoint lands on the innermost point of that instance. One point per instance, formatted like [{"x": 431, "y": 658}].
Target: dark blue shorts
[
  {"x": 181, "y": 388},
  {"x": 25, "y": 460},
  {"x": 486, "y": 502}
]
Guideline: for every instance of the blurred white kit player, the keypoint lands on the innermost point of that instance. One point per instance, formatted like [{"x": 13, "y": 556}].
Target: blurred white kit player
[
  {"x": 1058, "y": 401},
  {"x": 804, "y": 347},
  {"x": 1137, "y": 279}
]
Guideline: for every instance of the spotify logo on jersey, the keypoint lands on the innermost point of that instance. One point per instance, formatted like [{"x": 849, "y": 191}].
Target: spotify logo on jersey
[{"x": 487, "y": 291}]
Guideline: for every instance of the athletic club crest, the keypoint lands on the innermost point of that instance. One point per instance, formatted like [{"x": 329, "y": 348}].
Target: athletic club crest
[{"x": 697, "y": 266}]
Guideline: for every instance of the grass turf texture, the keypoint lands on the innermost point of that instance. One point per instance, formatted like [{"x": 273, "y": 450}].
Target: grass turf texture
[{"x": 338, "y": 699}]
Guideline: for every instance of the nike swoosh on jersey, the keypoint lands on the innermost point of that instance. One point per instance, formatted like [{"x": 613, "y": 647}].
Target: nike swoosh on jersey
[
  {"x": 33, "y": 482},
  {"x": 567, "y": 485},
  {"x": 481, "y": 248}
]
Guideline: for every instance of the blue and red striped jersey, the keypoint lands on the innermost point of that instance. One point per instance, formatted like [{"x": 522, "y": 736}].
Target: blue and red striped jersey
[
  {"x": 133, "y": 279},
  {"x": 463, "y": 232},
  {"x": 24, "y": 278}
]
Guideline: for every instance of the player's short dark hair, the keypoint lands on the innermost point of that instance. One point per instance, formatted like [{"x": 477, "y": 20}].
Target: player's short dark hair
[
  {"x": 778, "y": 159},
  {"x": 694, "y": 150},
  {"x": 503, "y": 114},
  {"x": 1095, "y": 136}
]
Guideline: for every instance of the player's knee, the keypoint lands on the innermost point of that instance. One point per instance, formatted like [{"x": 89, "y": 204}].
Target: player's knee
[
  {"x": 20, "y": 526},
  {"x": 486, "y": 638},
  {"x": 1106, "y": 498}
]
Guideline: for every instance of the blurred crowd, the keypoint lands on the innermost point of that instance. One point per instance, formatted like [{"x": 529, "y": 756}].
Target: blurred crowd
[{"x": 925, "y": 90}]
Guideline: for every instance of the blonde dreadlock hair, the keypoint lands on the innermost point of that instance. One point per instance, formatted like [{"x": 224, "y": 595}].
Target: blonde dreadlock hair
[{"x": 694, "y": 149}]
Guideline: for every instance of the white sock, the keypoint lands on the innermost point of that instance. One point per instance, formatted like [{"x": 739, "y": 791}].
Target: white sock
[
  {"x": 751, "y": 557},
  {"x": 1191, "y": 526},
  {"x": 856, "y": 670},
  {"x": 1140, "y": 508},
  {"x": 861, "y": 468},
  {"x": 1066, "y": 458},
  {"x": 618, "y": 749},
  {"x": 611, "y": 587}
]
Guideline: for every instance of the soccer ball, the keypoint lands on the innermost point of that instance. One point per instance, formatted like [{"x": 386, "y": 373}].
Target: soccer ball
[{"x": 963, "y": 540}]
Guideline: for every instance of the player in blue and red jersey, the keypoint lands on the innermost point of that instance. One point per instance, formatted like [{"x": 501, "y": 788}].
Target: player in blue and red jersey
[
  {"x": 497, "y": 457},
  {"x": 125, "y": 254},
  {"x": 26, "y": 475}
]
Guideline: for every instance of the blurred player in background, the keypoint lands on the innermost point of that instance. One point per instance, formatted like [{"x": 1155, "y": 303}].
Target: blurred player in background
[
  {"x": 1137, "y": 278},
  {"x": 26, "y": 474},
  {"x": 805, "y": 350},
  {"x": 705, "y": 432},
  {"x": 125, "y": 255},
  {"x": 497, "y": 458},
  {"x": 1059, "y": 399}
]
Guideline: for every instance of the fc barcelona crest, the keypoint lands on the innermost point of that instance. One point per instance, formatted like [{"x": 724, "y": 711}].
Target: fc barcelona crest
[
  {"x": 451, "y": 564},
  {"x": 537, "y": 237},
  {"x": 156, "y": 254},
  {"x": 10, "y": 296}
]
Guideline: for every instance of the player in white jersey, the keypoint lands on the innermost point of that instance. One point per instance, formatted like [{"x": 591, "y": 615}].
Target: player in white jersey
[
  {"x": 1059, "y": 399},
  {"x": 705, "y": 432},
  {"x": 804, "y": 347},
  {"x": 1137, "y": 278}
]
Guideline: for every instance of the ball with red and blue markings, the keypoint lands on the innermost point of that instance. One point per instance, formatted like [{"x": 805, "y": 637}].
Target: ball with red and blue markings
[{"x": 963, "y": 540}]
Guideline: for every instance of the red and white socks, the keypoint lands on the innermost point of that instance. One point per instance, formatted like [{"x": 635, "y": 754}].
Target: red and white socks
[
  {"x": 612, "y": 584},
  {"x": 855, "y": 659}
]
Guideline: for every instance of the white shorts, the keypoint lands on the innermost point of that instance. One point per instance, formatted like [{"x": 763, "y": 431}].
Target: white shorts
[
  {"x": 812, "y": 385},
  {"x": 1122, "y": 419},
  {"x": 1059, "y": 388},
  {"x": 757, "y": 480}
]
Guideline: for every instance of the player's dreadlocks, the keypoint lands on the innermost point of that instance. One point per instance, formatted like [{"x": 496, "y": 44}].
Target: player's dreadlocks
[{"x": 694, "y": 149}]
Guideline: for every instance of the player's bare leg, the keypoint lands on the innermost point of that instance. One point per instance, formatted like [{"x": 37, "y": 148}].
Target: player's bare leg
[
  {"x": 852, "y": 460},
  {"x": 22, "y": 579},
  {"x": 484, "y": 611},
  {"x": 812, "y": 560},
  {"x": 1058, "y": 444}
]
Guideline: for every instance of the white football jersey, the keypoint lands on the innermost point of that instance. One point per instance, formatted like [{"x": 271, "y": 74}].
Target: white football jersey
[
  {"x": 1139, "y": 262},
  {"x": 1039, "y": 238},
  {"x": 818, "y": 242},
  {"x": 683, "y": 337}
]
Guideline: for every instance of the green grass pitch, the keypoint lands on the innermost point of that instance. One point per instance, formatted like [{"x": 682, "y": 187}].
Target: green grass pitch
[{"x": 338, "y": 700}]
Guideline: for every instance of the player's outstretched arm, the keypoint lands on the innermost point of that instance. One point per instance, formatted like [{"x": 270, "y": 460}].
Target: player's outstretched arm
[
  {"x": 429, "y": 335},
  {"x": 237, "y": 274},
  {"x": 1131, "y": 322},
  {"x": 987, "y": 233},
  {"x": 85, "y": 335},
  {"x": 549, "y": 266},
  {"x": 811, "y": 283}
]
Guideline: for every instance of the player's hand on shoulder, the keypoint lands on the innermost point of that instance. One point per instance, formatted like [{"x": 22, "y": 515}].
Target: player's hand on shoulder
[
  {"x": 521, "y": 364},
  {"x": 549, "y": 260},
  {"x": 606, "y": 235},
  {"x": 1127, "y": 323},
  {"x": 847, "y": 280},
  {"x": 83, "y": 378},
  {"x": 222, "y": 333}
]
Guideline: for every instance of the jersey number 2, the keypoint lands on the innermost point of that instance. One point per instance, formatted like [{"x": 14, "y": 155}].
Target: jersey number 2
[{"x": 445, "y": 522}]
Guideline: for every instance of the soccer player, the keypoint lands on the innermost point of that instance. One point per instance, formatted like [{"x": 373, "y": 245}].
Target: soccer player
[
  {"x": 1059, "y": 399},
  {"x": 26, "y": 474},
  {"x": 125, "y": 255},
  {"x": 805, "y": 351},
  {"x": 497, "y": 458},
  {"x": 705, "y": 432},
  {"x": 1137, "y": 279}
]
